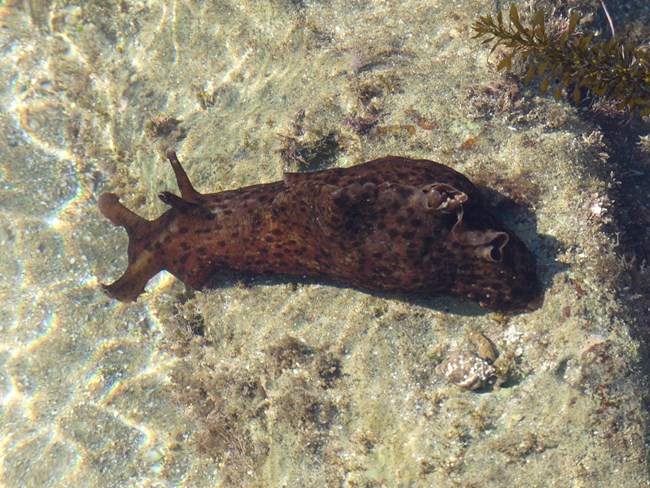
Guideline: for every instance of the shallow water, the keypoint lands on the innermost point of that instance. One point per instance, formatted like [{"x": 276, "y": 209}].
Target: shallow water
[{"x": 96, "y": 393}]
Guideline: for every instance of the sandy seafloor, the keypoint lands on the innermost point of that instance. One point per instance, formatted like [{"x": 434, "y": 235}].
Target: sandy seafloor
[{"x": 290, "y": 382}]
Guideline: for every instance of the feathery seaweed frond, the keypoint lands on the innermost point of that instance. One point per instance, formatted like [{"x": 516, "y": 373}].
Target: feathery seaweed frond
[{"x": 618, "y": 69}]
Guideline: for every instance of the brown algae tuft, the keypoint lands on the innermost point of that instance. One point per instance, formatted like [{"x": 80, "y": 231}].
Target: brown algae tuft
[{"x": 616, "y": 70}]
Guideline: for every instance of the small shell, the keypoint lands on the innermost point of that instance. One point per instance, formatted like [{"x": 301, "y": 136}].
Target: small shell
[{"x": 467, "y": 370}]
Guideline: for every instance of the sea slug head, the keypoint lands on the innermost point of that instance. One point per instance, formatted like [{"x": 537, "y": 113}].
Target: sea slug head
[{"x": 495, "y": 267}]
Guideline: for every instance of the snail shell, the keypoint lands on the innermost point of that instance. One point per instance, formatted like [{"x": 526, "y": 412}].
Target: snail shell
[{"x": 467, "y": 369}]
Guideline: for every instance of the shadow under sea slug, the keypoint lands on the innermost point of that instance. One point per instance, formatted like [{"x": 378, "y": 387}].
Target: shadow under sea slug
[{"x": 391, "y": 225}]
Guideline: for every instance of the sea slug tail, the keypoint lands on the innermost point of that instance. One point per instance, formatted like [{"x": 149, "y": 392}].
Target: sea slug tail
[
  {"x": 110, "y": 206},
  {"x": 142, "y": 263}
]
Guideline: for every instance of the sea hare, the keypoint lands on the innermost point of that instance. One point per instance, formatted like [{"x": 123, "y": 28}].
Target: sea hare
[{"x": 391, "y": 225}]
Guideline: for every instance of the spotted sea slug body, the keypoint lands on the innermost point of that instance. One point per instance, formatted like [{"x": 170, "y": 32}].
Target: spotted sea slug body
[{"x": 391, "y": 225}]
